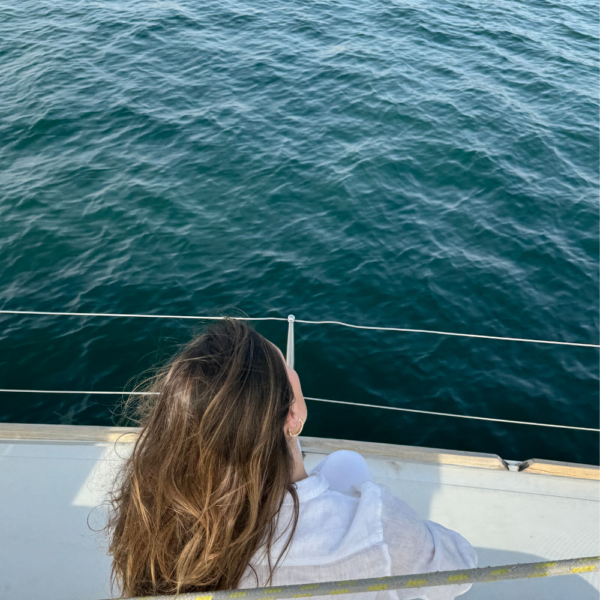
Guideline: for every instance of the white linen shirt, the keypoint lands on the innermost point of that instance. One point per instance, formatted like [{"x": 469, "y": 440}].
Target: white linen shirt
[{"x": 362, "y": 532}]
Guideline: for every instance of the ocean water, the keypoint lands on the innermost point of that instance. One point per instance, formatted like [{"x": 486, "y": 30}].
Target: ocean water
[{"x": 428, "y": 165}]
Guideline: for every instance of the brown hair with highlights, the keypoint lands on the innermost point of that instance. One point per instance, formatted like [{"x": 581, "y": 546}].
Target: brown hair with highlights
[{"x": 202, "y": 489}]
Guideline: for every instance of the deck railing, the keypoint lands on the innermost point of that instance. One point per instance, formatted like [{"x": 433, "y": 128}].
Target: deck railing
[{"x": 291, "y": 320}]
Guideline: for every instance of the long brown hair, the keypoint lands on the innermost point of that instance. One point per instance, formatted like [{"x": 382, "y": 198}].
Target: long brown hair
[{"x": 202, "y": 489}]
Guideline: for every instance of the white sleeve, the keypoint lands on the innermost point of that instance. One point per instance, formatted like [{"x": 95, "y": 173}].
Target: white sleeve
[{"x": 418, "y": 546}]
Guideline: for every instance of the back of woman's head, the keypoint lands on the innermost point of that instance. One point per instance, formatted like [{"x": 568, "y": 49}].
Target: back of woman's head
[{"x": 208, "y": 473}]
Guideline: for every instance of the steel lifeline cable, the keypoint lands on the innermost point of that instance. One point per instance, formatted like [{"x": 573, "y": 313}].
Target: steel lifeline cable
[
  {"x": 573, "y": 566},
  {"x": 291, "y": 319},
  {"x": 360, "y": 404},
  {"x": 341, "y": 323}
]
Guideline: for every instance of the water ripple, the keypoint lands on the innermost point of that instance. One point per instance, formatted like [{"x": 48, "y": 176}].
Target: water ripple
[{"x": 393, "y": 163}]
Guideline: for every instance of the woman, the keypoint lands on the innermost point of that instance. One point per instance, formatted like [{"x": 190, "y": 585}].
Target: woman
[{"x": 215, "y": 494}]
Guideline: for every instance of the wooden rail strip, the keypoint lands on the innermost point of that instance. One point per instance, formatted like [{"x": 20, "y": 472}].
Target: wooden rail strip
[
  {"x": 539, "y": 466},
  {"x": 100, "y": 434},
  {"x": 65, "y": 433},
  {"x": 405, "y": 453},
  {"x": 91, "y": 433}
]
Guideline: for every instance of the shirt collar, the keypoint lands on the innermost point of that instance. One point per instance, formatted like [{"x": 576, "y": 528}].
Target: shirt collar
[{"x": 309, "y": 488}]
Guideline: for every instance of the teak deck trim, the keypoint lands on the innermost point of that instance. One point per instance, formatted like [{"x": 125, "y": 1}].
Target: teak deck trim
[
  {"x": 64, "y": 433},
  {"x": 563, "y": 469},
  {"x": 405, "y": 453},
  {"x": 92, "y": 433}
]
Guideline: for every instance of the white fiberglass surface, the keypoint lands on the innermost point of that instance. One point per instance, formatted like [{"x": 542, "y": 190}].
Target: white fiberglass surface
[
  {"x": 509, "y": 517},
  {"x": 51, "y": 495}
]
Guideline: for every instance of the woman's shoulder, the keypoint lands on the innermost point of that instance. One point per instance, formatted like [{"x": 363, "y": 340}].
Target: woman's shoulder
[
  {"x": 344, "y": 470},
  {"x": 419, "y": 545},
  {"x": 347, "y": 473},
  {"x": 334, "y": 524}
]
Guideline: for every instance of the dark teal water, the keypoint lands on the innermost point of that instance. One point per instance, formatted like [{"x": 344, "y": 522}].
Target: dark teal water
[{"x": 425, "y": 165}]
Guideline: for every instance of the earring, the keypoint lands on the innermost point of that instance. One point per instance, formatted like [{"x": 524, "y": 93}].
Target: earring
[{"x": 299, "y": 432}]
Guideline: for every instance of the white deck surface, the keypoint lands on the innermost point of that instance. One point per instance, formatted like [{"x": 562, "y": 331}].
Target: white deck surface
[{"x": 48, "y": 490}]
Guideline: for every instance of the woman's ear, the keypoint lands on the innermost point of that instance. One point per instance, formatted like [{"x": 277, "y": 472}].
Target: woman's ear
[{"x": 292, "y": 423}]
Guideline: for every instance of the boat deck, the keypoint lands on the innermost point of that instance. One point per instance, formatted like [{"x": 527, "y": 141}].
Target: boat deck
[{"x": 52, "y": 480}]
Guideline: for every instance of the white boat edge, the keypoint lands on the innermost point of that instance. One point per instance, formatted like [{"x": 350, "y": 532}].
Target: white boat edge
[
  {"x": 111, "y": 434},
  {"x": 511, "y": 511}
]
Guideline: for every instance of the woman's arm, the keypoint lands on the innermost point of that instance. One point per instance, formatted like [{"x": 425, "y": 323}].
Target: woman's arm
[{"x": 419, "y": 546}]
